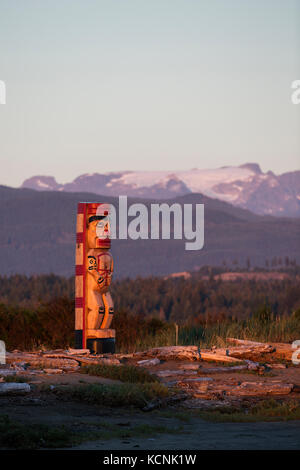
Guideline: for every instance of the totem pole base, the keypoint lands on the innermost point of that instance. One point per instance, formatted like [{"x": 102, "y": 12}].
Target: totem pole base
[
  {"x": 101, "y": 341},
  {"x": 101, "y": 345},
  {"x": 78, "y": 339}
]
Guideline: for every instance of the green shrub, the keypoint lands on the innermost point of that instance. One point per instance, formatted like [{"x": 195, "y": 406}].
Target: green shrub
[
  {"x": 266, "y": 410},
  {"x": 16, "y": 378},
  {"x": 137, "y": 395},
  {"x": 124, "y": 373},
  {"x": 32, "y": 436}
]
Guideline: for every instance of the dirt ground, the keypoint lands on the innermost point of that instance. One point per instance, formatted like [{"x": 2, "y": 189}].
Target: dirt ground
[
  {"x": 290, "y": 374},
  {"x": 177, "y": 434},
  {"x": 202, "y": 435},
  {"x": 194, "y": 434}
]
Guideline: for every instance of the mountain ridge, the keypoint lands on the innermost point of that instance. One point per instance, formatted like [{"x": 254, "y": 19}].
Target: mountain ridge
[
  {"x": 37, "y": 235},
  {"x": 245, "y": 186}
]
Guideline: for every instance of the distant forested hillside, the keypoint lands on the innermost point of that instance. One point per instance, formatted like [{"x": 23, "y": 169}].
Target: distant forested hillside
[
  {"x": 176, "y": 300},
  {"x": 37, "y": 235}
]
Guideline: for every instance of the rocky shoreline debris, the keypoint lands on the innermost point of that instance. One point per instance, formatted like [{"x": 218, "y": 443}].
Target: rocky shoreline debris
[{"x": 200, "y": 374}]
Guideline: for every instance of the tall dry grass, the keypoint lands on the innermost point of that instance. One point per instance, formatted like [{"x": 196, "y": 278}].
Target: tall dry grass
[
  {"x": 52, "y": 326},
  {"x": 283, "y": 329}
]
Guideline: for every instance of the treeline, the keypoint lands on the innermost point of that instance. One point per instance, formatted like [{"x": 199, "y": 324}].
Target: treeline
[
  {"x": 173, "y": 300},
  {"x": 31, "y": 291},
  {"x": 195, "y": 301},
  {"x": 38, "y": 311}
]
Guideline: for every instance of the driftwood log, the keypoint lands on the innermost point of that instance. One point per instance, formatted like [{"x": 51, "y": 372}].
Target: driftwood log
[
  {"x": 149, "y": 362},
  {"x": 283, "y": 351},
  {"x": 175, "y": 373},
  {"x": 246, "y": 349},
  {"x": 278, "y": 350},
  {"x": 42, "y": 361},
  {"x": 261, "y": 388},
  {"x": 58, "y": 360},
  {"x": 234, "y": 388},
  {"x": 185, "y": 353},
  {"x": 12, "y": 388},
  {"x": 221, "y": 370},
  {"x": 246, "y": 342}
]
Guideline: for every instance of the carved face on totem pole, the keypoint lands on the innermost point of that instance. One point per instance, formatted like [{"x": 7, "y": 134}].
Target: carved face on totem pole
[{"x": 99, "y": 231}]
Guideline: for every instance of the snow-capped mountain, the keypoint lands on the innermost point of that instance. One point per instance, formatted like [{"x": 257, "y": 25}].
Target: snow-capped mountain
[{"x": 245, "y": 186}]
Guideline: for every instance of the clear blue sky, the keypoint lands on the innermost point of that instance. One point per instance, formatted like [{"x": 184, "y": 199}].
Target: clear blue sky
[{"x": 97, "y": 86}]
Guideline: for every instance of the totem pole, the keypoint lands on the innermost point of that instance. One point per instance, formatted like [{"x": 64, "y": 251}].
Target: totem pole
[{"x": 94, "y": 307}]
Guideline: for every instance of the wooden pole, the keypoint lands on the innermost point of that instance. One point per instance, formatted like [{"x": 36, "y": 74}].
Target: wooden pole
[{"x": 176, "y": 334}]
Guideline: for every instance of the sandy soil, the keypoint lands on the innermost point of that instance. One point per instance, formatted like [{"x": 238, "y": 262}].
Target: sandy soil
[
  {"x": 204, "y": 435},
  {"x": 195, "y": 434}
]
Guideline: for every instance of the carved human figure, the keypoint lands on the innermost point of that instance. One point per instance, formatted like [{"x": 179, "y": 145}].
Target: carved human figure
[{"x": 99, "y": 273}]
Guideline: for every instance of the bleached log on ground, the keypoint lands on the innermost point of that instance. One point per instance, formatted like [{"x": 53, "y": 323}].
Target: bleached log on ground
[
  {"x": 189, "y": 366},
  {"x": 91, "y": 360},
  {"x": 149, "y": 362},
  {"x": 53, "y": 371},
  {"x": 6, "y": 372},
  {"x": 175, "y": 373},
  {"x": 42, "y": 361},
  {"x": 219, "y": 357},
  {"x": 12, "y": 388},
  {"x": 276, "y": 366},
  {"x": 283, "y": 351},
  {"x": 246, "y": 342},
  {"x": 221, "y": 370},
  {"x": 248, "y": 349},
  {"x": 20, "y": 356},
  {"x": 78, "y": 352},
  {"x": 246, "y": 352},
  {"x": 261, "y": 388},
  {"x": 185, "y": 353},
  {"x": 279, "y": 350},
  {"x": 199, "y": 380},
  {"x": 124, "y": 356},
  {"x": 98, "y": 361},
  {"x": 244, "y": 389},
  {"x": 59, "y": 360}
]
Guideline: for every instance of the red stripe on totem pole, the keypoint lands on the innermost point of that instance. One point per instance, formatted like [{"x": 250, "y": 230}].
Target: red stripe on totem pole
[
  {"x": 79, "y": 237},
  {"x": 81, "y": 208},
  {"x": 84, "y": 275},
  {"x": 79, "y": 270},
  {"x": 79, "y": 302}
]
